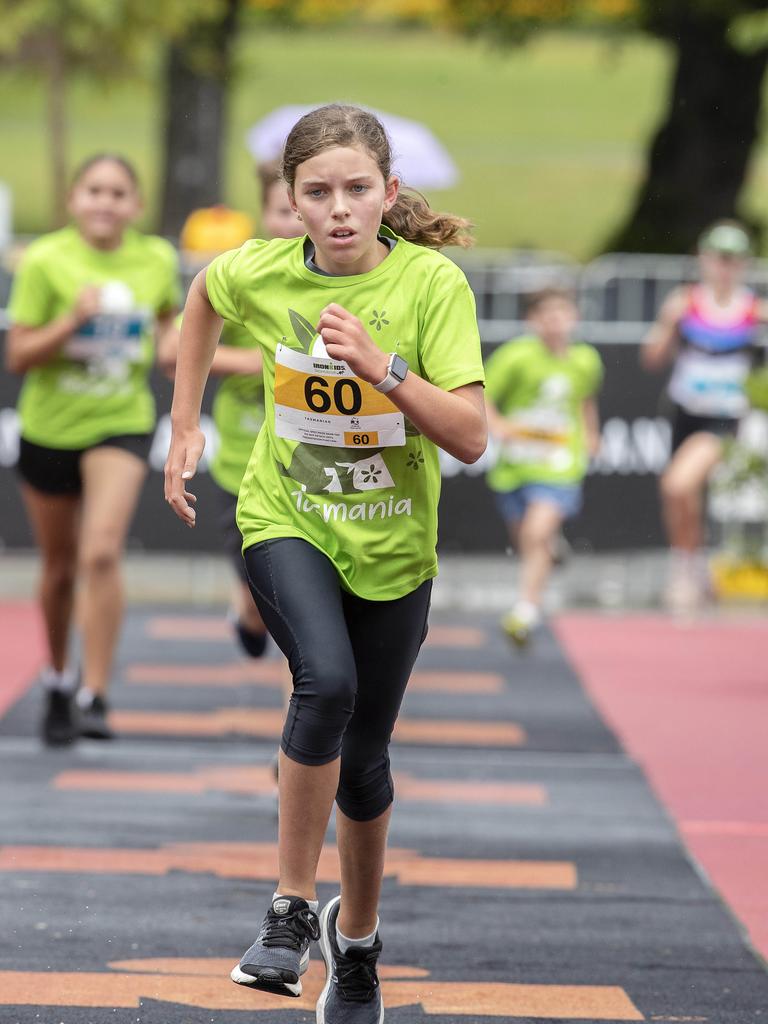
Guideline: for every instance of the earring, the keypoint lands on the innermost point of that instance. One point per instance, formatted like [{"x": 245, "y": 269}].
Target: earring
[{"x": 299, "y": 216}]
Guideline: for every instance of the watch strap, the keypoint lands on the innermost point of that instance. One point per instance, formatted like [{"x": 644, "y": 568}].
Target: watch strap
[{"x": 391, "y": 381}]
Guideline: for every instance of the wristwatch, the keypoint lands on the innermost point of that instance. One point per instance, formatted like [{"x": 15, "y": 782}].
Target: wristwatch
[{"x": 397, "y": 370}]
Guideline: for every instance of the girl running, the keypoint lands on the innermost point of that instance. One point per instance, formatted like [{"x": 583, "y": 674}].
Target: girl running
[
  {"x": 708, "y": 332},
  {"x": 371, "y": 360},
  {"x": 91, "y": 304},
  {"x": 238, "y": 412}
]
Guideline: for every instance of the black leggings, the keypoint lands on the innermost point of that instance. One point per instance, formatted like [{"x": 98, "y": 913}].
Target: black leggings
[{"x": 350, "y": 660}]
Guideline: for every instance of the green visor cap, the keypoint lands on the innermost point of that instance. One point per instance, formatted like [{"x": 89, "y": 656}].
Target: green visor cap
[{"x": 728, "y": 239}]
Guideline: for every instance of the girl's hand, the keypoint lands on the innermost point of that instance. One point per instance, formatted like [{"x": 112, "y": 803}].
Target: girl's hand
[
  {"x": 88, "y": 304},
  {"x": 346, "y": 340},
  {"x": 184, "y": 454}
]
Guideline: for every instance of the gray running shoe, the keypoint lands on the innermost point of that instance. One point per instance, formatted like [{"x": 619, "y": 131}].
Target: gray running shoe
[
  {"x": 280, "y": 954},
  {"x": 92, "y": 720},
  {"x": 351, "y": 994}
]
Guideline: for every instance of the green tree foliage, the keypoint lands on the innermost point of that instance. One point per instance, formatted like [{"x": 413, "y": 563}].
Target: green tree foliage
[
  {"x": 506, "y": 22},
  {"x": 55, "y": 39},
  {"x": 711, "y": 122},
  {"x": 94, "y": 36}
]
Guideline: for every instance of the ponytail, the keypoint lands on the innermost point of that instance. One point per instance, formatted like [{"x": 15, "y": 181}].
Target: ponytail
[{"x": 414, "y": 220}]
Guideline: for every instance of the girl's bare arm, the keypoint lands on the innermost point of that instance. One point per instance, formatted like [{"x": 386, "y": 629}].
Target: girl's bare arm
[
  {"x": 200, "y": 330},
  {"x": 659, "y": 344}
]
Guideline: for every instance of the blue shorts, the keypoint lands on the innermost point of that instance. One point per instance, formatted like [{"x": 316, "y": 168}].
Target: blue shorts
[{"x": 513, "y": 505}]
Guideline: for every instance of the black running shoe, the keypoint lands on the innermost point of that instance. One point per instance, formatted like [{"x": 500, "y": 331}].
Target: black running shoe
[
  {"x": 59, "y": 724},
  {"x": 93, "y": 720},
  {"x": 351, "y": 994},
  {"x": 253, "y": 642},
  {"x": 280, "y": 954}
]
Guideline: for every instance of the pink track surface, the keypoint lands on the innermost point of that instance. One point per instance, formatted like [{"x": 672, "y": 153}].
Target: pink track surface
[
  {"x": 690, "y": 703},
  {"x": 21, "y": 641}
]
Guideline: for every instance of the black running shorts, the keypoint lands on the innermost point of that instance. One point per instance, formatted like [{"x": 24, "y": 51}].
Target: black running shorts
[
  {"x": 57, "y": 470},
  {"x": 684, "y": 424}
]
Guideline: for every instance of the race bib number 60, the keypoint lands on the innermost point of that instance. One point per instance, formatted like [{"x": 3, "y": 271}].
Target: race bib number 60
[{"x": 320, "y": 401}]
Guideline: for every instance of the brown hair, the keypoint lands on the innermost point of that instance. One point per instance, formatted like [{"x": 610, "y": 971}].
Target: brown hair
[
  {"x": 537, "y": 299},
  {"x": 268, "y": 174},
  {"x": 111, "y": 158},
  {"x": 338, "y": 124}
]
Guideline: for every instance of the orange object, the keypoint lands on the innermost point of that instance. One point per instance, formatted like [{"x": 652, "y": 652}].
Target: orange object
[{"x": 214, "y": 229}]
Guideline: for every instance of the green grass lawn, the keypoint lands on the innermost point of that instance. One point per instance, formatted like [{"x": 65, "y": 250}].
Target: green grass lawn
[{"x": 549, "y": 138}]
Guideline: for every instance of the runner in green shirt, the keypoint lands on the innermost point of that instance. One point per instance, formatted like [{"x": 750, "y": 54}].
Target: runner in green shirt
[
  {"x": 542, "y": 412},
  {"x": 238, "y": 412},
  {"x": 91, "y": 306},
  {"x": 371, "y": 360}
]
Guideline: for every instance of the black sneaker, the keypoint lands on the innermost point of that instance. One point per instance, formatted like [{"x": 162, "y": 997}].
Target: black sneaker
[
  {"x": 59, "y": 724},
  {"x": 93, "y": 720},
  {"x": 351, "y": 994},
  {"x": 280, "y": 954},
  {"x": 253, "y": 642}
]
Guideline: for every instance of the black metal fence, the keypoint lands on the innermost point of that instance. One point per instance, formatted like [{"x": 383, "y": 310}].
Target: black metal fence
[{"x": 618, "y": 296}]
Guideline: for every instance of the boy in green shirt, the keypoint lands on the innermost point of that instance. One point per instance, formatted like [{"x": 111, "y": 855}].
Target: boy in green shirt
[{"x": 540, "y": 397}]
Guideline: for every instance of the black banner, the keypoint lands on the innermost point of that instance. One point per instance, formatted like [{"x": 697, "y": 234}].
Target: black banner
[{"x": 621, "y": 508}]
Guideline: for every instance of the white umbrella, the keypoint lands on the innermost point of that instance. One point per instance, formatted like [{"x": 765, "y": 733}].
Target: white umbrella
[{"x": 419, "y": 159}]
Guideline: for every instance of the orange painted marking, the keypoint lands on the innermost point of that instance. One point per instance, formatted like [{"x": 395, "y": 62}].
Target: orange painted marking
[
  {"x": 258, "y": 861},
  {"x": 189, "y": 627},
  {"x": 444, "y": 681},
  {"x": 268, "y": 724},
  {"x": 270, "y": 674},
  {"x": 254, "y": 779},
  {"x": 461, "y": 733},
  {"x": 452, "y": 791},
  {"x": 217, "y": 967},
  {"x": 235, "y": 673},
  {"x": 456, "y": 636},
  {"x": 215, "y": 627},
  {"x": 205, "y": 984}
]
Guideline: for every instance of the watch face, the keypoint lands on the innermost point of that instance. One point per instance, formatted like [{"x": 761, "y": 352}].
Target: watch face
[{"x": 399, "y": 367}]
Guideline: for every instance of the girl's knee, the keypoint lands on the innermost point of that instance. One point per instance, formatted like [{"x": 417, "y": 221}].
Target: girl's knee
[
  {"x": 365, "y": 788},
  {"x": 675, "y": 488},
  {"x": 321, "y": 706},
  {"x": 330, "y": 688},
  {"x": 534, "y": 535},
  {"x": 59, "y": 574},
  {"x": 99, "y": 558}
]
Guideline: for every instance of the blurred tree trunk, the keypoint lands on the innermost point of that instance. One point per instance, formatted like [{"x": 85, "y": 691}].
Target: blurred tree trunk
[
  {"x": 699, "y": 158},
  {"x": 197, "y": 75},
  {"x": 57, "y": 126}
]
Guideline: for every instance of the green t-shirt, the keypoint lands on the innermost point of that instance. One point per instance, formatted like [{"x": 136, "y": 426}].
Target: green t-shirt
[
  {"x": 336, "y": 463},
  {"x": 542, "y": 394},
  {"x": 238, "y": 412},
  {"x": 96, "y": 385}
]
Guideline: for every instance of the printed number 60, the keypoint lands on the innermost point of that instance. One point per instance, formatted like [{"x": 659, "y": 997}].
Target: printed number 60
[{"x": 318, "y": 396}]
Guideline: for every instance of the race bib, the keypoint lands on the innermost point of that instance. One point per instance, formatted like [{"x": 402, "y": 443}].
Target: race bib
[
  {"x": 108, "y": 339},
  {"x": 710, "y": 385},
  {"x": 541, "y": 436},
  {"x": 321, "y": 401}
]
